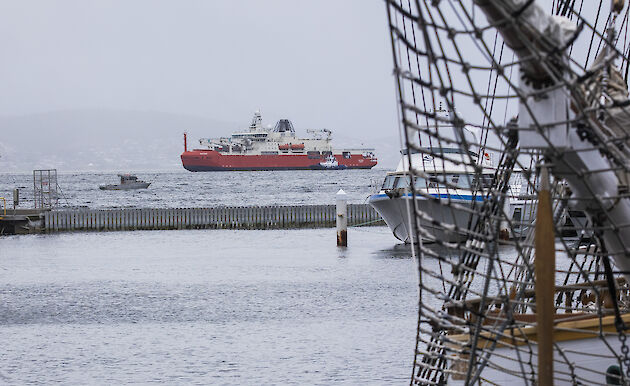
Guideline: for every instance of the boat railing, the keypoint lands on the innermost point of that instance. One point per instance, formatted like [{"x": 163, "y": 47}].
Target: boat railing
[{"x": 572, "y": 301}]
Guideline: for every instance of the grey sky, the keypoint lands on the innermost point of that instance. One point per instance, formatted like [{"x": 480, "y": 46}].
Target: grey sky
[{"x": 323, "y": 63}]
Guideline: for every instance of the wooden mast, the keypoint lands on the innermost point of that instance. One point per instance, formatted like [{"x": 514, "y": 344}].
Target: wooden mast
[{"x": 545, "y": 268}]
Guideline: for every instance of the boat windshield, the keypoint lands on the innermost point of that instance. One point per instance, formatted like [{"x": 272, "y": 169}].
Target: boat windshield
[
  {"x": 456, "y": 181},
  {"x": 396, "y": 181},
  {"x": 388, "y": 183},
  {"x": 435, "y": 181}
]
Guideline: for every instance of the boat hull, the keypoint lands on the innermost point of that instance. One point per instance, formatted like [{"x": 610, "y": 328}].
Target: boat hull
[
  {"x": 393, "y": 209},
  {"x": 396, "y": 215},
  {"x": 207, "y": 161},
  {"x": 321, "y": 167},
  {"x": 128, "y": 186},
  {"x": 589, "y": 359}
]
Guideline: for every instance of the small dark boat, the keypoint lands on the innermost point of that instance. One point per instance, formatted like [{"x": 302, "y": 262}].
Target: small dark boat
[{"x": 127, "y": 182}]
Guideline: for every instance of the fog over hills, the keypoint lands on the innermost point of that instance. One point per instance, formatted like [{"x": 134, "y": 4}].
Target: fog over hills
[
  {"x": 111, "y": 85},
  {"x": 127, "y": 140},
  {"x": 99, "y": 140}
]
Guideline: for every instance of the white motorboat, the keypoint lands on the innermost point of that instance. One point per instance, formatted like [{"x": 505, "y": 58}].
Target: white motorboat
[
  {"x": 127, "y": 182},
  {"x": 448, "y": 180}
]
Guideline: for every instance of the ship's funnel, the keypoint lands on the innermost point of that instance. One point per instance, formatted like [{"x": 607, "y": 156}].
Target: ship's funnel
[{"x": 284, "y": 125}]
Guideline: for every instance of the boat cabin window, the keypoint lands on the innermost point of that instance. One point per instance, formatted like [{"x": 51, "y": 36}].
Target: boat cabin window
[
  {"x": 388, "y": 184},
  {"x": 396, "y": 182},
  {"x": 516, "y": 216},
  {"x": 402, "y": 182},
  {"x": 249, "y": 135},
  {"x": 420, "y": 183},
  {"x": 432, "y": 182},
  {"x": 346, "y": 154},
  {"x": 484, "y": 183},
  {"x": 463, "y": 181},
  {"x": 127, "y": 178},
  {"x": 455, "y": 181}
]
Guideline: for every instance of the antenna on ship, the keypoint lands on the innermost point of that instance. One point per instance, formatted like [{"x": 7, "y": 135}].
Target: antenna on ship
[{"x": 185, "y": 144}]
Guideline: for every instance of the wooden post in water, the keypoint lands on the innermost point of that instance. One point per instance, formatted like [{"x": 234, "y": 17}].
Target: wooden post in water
[
  {"x": 545, "y": 269},
  {"x": 342, "y": 219}
]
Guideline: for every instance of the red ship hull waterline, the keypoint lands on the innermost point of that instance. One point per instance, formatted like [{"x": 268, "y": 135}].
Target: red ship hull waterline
[
  {"x": 210, "y": 160},
  {"x": 264, "y": 148}
]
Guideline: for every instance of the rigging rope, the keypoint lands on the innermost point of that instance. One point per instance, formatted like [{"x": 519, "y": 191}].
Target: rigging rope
[{"x": 478, "y": 268}]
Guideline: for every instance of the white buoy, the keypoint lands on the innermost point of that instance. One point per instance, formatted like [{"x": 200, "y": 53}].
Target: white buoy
[{"x": 342, "y": 218}]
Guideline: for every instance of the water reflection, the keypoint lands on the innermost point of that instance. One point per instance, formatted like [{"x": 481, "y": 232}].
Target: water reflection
[{"x": 396, "y": 251}]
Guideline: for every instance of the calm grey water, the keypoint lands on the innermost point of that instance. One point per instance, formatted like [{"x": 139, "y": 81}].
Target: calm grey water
[
  {"x": 207, "y": 307},
  {"x": 185, "y": 189}
]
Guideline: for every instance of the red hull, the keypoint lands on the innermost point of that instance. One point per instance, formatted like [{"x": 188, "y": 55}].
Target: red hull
[{"x": 210, "y": 160}]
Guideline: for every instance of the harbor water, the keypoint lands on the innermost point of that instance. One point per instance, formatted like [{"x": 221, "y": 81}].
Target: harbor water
[
  {"x": 207, "y": 307},
  {"x": 184, "y": 189}
]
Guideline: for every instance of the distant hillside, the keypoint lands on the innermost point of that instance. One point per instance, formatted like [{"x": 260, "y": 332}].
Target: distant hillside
[{"x": 100, "y": 140}]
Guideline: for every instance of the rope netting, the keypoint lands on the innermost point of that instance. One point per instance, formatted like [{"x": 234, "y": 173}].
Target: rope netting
[{"x": 490, "y": 93}]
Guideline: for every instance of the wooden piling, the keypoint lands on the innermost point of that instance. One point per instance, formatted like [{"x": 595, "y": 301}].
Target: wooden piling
[{"x": 342, "y": 218}]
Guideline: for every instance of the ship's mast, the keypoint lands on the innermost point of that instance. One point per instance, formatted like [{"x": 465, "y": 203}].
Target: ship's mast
[{"x": 256, "y": 121}]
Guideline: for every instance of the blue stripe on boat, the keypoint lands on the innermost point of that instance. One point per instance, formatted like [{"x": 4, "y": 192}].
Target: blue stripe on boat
[{"x": 441, "y": 195}]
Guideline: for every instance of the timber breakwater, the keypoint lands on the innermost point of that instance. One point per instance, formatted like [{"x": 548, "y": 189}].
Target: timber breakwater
[{"x": 241, "y": 217}]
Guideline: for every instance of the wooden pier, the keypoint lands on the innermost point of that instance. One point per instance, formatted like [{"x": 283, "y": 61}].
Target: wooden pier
[
  {"x": 21, "y": 221},
  {"x": 250, "y": 217}
]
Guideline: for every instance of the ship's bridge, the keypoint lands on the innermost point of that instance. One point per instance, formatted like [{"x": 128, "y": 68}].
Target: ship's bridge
[{"x": 255, "y": 136}]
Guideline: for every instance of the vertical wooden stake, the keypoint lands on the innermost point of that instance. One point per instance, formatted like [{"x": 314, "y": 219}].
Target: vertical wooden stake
[
  {"x": 545, "y": 269},
  {"x": 342, "y": 219}
]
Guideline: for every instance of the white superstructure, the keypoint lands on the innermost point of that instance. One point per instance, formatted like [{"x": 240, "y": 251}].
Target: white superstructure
[{"x": 279, "y": 140}]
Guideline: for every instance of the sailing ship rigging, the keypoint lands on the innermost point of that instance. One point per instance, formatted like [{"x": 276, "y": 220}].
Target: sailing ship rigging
[{"x": 545, "y": 83}]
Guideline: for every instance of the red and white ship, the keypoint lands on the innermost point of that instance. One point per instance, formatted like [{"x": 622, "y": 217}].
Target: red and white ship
[{"x": 279, "y": 148}]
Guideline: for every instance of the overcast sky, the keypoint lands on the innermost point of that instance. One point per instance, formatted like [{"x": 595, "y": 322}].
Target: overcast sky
[{"x": 321, "y": 63}]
